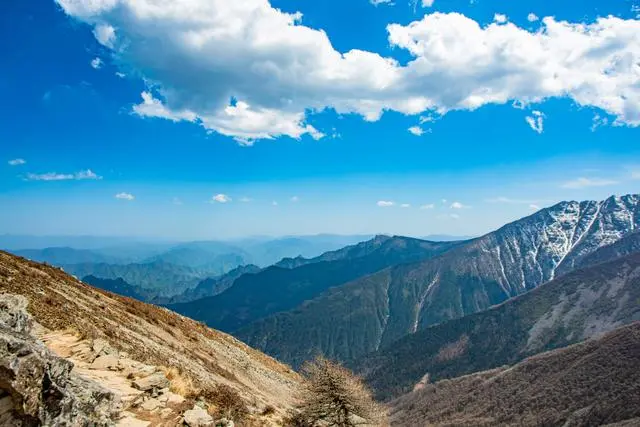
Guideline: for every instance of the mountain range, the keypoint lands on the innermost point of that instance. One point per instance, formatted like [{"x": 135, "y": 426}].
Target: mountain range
[
  {"x": 577, "y": 306},
  {"x": 371, "y": 312}
]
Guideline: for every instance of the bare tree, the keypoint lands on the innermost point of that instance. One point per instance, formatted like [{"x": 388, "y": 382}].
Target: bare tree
[{"x": 336, "y": 397}]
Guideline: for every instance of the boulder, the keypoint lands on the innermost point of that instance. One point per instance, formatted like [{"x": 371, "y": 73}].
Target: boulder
[
  {"x": 104, "y": 362},
  {"x": 224, "y": 422},
  {"x": 157, "y": 380},
  {"x": 197, "y": 417},
  {"x": 41, "y": 388}
]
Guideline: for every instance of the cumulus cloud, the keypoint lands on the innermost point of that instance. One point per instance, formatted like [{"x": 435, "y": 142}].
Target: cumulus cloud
[
  {"x": 500, "y": 18},
  {"x": 54, "y": 176},
  {"x": 96, "y": 63},
  {"x": 427, "y": 206},
  {"x": 125, "y": 196},
  {"x": 121, "y": 75},
  {"x": 583, "y": 182},
  {"x": 427, "y": 3},
  {"x": 221, "y": 198},
  {"x": 416, "y": 130},
  {"x": 196, "y": 55},
  {"x": 536, "y": 121},
  {"x": 532, "y": 17},
  {"x": 378, "y": 2},
  {"x": 105, "y": 34},
  {"x": 17, "y": 162},
  {"x": 385, "y": 203}
]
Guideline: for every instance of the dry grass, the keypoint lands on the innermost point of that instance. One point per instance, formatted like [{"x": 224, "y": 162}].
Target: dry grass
[
  {"x": 197, "y": 357},
  {"x": 589, "y": 384}
]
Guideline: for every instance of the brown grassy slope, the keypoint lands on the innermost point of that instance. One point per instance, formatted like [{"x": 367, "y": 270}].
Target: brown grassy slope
[
  {"x": 150, "y": 334},
  {"x": 589, "y": 384}
]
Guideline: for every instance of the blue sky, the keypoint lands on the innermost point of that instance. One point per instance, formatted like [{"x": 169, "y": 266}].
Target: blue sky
[{"x": 302, "y": 131}]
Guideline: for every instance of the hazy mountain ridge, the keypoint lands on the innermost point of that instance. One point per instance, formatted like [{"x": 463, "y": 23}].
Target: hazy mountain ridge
[
  {"x": 593, "y": 383},
  {"x": 372, "y": 312},
  {"x": 580, "y": 305},
  {"x": 276, "y": 289}
]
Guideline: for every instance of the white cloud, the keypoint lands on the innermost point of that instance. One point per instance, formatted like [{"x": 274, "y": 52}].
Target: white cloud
[
  {"x": 197, "y": 54},
  {"x": 532, "y": 17},
  {"x": 96, "y": 63},
  {"x": 405, "y": 205},
  {"x": 105, "y": 34},
  {"x": 500, "y": 18},
  {"x": 444, "y": 201},
  {"x": 416, "y": 130},
  {"x": 536, "y": 121},
  {"x": 534, "y": 207},
  {"x": 54, "y": 176},
  {"x": 428, "y": 206},
  {"x": 17, "y": 162},
  {"x": 125, "y": 196},
  {"x": 294, "y": 199},
  {"x": 378, "y": 2},
  {"x": 221, "y": 198},
  {"x": 457, "y": 205},
  {"x": 245, "y": 199},
  {"x": 582, "y": 182},
  {"x": 427, "y": 3},
  {"x": 598, "y": 121},
  {"x": 385, "y": 203},
  {"x": 121, "y": 75}
]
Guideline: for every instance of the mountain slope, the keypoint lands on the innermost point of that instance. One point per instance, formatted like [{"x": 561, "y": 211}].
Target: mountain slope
[
  {"x": 589, "y": 384},
  {"x": 156, "y": 278},
  {"x": 572, "y": 308},
  {"x": 62, "y": 255},
  {"x": 148, "y": 334},
  {"x": 275, "y": 289},
  {"x": 374, "y": 311}
]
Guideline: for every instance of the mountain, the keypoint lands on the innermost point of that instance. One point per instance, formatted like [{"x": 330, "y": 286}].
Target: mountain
[
  {"x": 127, "y": 360},
  {"x": 580, "y": 305},
  {"x": 119, "y": 286},
  {"x": 275, "y": 289},
  {"x": 211, "y": 286},
  {"x": 589, "y": 384},
  {"x": 155, "y": 278},
  {"x": 60, "y": 256},
  {"x": 371, "y": 312},
  {"x": 218, "y": 257}
]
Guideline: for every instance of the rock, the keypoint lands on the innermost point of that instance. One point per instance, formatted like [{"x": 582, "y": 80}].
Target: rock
[
  {"x": 104, "y": 362},
  {"x": 157, "y": 380},
  {"x": 41, "y": 388},
  {"x": 197, "y": 417},
  {"x": 101, "y": 348},
  {"x": 224, "y": 422},
  {"x": 174, "y": 399},
  {"x": 166, "y": 413},
  {"x": 150, "y": 404}
]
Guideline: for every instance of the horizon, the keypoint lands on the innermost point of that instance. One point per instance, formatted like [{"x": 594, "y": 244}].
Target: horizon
[{"x": 279, "y": 120}]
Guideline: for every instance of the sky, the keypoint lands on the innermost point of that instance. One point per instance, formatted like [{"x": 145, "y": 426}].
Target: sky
[{"x": 209, "y": 119}]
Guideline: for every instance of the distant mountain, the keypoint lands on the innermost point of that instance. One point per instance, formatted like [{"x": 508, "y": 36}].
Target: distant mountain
[
  {"x": 59, "y": 256},
  {"x": 572, "y": 308},
  {"x": 118, "y": 286},
  {"x": 446, "y": 238},
  {"x": 217, "y": 257},
  {"x": 211, "y": 286},
  {"x": 352, "y": 320},
  {"x": 275, "y": 289},
  {"x": 590, "y": 384},
  {"x": 158, "y": 278}
]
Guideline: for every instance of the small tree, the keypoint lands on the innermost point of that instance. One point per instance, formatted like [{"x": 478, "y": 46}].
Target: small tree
[{"x": 334, "y": 396}]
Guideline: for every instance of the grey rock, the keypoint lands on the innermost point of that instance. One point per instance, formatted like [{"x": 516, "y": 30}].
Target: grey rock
[
  {"x": 107, "y": 361},
  {"x": 197, "y": 417},
  {"x": 41, "y": 388},
  {"x": 225, "y": 422},
  {"x": 157, "y": 380}
]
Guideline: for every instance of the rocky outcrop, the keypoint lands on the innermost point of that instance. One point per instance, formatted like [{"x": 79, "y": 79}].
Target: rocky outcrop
[{"x": 37, "y": 387}]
